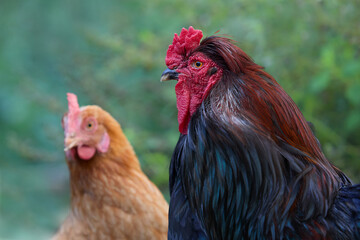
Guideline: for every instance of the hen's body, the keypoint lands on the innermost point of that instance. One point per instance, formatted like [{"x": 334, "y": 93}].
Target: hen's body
[
  {"x": 247, "y": 165},
  {"x": 111, "y": 198}
]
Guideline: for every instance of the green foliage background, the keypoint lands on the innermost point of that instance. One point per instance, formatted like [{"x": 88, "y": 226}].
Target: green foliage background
[{"x": 111, "y": 53}]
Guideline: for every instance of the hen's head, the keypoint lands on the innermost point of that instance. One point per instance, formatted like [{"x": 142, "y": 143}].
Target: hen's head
[
  {"x": 197, "y": 66},
  {"x": 85, "y": 132}
]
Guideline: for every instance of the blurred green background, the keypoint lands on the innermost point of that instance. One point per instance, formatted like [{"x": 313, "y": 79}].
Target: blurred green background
[{"x": 111, "y": 53}]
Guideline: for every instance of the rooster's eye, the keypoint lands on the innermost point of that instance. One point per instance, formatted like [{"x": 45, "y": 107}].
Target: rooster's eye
[{"x": 197, "y": 64}]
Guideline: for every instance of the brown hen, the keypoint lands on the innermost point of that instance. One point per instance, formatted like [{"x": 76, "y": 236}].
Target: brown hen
[{"x": 111, "y": 198}]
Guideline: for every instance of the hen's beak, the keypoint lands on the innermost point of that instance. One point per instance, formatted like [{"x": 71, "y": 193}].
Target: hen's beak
[
  {"x": 169, "y": 75},
  {"x": 71, "y": 142}
]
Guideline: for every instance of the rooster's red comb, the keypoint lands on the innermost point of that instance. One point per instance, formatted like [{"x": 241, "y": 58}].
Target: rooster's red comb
[
  {"x": 73, "y": 113},
  {"x": 182, "y": 45}
]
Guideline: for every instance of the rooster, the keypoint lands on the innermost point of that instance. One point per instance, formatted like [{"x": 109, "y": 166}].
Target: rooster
[
  {"x": 111, "y": 198},
  {"x": 247, "y": 164}
]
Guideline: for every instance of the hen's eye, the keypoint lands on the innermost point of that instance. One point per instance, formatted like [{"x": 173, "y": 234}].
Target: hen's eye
[
  {"x": 197, "y": 64},
  {"x": 89, "y": 124}
]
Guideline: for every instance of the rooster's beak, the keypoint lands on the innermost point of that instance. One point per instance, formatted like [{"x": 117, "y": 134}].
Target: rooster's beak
[{"x": 169, "y": 75}]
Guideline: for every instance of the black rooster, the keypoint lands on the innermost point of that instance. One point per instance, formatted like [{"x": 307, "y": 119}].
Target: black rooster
[{"x": 247, "y": 165}]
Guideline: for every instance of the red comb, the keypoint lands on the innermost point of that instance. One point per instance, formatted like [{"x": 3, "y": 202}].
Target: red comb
[
  {"x": 73, "y": 113},
  {"x": 182, "y": 45}
]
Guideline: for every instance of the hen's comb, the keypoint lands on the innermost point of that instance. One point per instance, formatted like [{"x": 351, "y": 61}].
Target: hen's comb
[
  {"x": 182, "y": 45},
  {"x": 73, "y": 113}
]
